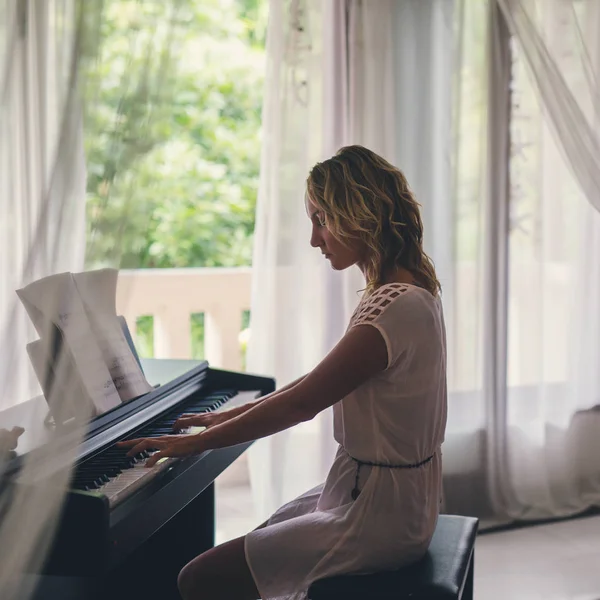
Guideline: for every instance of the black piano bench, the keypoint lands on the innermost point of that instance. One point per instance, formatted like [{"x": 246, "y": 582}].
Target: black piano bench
[{"x": 445, "y": 572}]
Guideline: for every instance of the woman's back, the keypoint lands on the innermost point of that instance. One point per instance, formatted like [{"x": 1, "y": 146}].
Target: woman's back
[{"x": 399, "y": 416}]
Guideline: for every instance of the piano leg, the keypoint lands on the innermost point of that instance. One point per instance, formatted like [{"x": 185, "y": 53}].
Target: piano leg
[{"x": 151, "y": 571}]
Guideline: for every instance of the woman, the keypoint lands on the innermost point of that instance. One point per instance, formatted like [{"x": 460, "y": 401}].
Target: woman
[{"x": 386, "y": 381}]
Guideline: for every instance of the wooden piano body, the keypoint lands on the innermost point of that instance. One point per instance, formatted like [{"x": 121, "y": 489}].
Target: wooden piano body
[{"x": 134, "y": 546}]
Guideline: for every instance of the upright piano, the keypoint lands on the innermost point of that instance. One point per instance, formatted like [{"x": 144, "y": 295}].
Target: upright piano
[{"x": 126, "y": 530}]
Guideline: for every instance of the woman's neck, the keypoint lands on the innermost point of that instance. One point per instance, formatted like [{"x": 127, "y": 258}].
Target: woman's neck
[
  {"x": 395, "y": 275},
  {"x": 399, "y": 275}
]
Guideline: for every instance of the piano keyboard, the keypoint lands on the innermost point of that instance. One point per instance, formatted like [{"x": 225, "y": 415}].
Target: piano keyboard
[{"x": 118, "y": 476}]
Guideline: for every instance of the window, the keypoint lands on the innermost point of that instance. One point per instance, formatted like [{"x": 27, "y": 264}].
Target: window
[{"x": 172, "y": 139}]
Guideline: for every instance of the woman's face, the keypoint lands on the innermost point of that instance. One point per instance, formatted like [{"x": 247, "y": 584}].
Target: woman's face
[{"x": 339, "y": 255}]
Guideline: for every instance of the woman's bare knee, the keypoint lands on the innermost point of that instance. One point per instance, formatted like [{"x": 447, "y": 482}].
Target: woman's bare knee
[
  {"x": 220, "y": 573},
  {"x": 196, "y": 575},
  {"x": 185, "y": 582}
]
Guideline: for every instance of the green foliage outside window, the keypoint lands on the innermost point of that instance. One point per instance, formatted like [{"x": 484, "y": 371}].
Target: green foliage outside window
[{"x": 173, "y": 153}]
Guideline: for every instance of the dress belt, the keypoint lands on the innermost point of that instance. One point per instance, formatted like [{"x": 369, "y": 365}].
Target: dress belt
[{"x": 359, "y": 463}]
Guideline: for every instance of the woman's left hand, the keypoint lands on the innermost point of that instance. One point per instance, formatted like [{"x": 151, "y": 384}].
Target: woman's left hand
[{"x": 167, "y": 446}]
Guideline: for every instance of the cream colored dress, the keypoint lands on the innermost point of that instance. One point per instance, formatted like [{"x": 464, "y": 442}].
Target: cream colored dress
[{"x": 396, "y": 418}]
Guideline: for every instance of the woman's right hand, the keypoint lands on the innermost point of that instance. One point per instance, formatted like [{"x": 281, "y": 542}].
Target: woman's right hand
[{"x": 204, "y": 420}]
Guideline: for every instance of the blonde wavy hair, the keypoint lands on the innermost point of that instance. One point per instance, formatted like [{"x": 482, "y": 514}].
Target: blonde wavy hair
[{"x": 364, "y": 198}]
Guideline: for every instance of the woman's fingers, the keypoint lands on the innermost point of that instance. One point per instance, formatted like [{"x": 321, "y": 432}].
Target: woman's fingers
[
  {"x": 162, "y": 438},
  {"x": 186, "y": 416},
  {"x": 148, "y": 444},
  {"x": 178, "y": 448},
  {"x": 166, "y": 445},
  {"x": 169, "y": 451},
  {"x": 138, "y": 445},
  {"x": 183, "y": 422},
  {"x": 191, "y": 420},
  {"x": 133, "y": 442},
  {"x": 150, "y": 462}
]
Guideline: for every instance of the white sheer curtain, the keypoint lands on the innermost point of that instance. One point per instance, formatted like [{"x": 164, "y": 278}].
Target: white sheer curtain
[
  {"x": 505, "y": 175},
  {"x": 288, "y": 321},
  {"x": 515, "y": 243},
  {"x": 524, "y": 359},
  {"x": 553, "y": 373},
  {"x": 48, "y": 86},
  {"x": 42, "y": 231},
  {"x": 333, "y": 78},
  {"x": 558, "y": 41},
  {"x": 42, "y": 172}
]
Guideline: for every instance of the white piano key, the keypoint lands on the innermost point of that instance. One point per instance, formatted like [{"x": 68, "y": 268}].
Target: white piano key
[{"x": 131, "y": 480}]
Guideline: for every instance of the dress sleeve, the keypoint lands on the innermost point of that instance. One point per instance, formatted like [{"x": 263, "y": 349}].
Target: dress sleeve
[{"x": 388, "y": 310}]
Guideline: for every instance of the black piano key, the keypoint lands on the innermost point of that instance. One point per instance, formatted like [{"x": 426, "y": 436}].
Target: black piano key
[
  {"x": 116, "y": 453},
  {"x": 108, "y": 460},
  {"x": 109, "y": 470},
  {"x": 83, "y": 488},
  {"x": 90, "y": 472},
  {"x": 160, "y": 430},
  {"x": 114, "y": 462},
  {"x": 206, "y": 402},
  {"x": 103, "y": 477},
  {"x": 83, "y": 481},
  {"x": 150, "y": 435},
  {"x": 88, "y": 484}
]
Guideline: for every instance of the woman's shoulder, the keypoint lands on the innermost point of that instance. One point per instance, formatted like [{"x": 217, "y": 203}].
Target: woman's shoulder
[{"x": 394, "y": 299}]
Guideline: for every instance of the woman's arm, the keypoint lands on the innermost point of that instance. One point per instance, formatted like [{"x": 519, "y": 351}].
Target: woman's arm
[
  {"x": 250, "y": 405},
  {"x": 214, "y": 419},
  {"x": 360, "y": 355}
]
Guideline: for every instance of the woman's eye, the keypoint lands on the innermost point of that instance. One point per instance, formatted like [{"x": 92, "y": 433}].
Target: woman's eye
[{"x": 321, "y": 221}]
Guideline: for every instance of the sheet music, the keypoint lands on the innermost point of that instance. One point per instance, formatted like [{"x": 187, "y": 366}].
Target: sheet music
[
  {"x": 55, "y": 299},
  {"x": 98, "y": 291},
  {"x": 65, "y": 403}
]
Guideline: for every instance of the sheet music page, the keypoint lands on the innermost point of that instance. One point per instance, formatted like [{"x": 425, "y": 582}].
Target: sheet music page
[
  {"x": 98, "y": 292},
  {"x": 55, "y": 299},
  {"x": 66, "y": 402}
]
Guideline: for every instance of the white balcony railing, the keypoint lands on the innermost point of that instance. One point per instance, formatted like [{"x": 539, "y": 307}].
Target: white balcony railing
[{"x": 171, "y": 296}]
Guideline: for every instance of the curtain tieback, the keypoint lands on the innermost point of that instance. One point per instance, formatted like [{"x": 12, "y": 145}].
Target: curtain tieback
[{"x": 359, "y": 463}]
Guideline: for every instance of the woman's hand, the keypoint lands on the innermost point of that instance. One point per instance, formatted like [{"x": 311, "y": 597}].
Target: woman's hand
[
  {"x": 180, "y": 445},
  {"x": 167, "y": 446},
  {"x": 204, "y": 420}
]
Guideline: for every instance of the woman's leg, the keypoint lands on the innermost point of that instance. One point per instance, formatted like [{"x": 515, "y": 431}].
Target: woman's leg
[{"x": 220, "y": 573}]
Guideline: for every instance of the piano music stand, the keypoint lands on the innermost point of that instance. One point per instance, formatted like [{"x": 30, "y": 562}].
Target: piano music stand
[{"x": 56, "y": 346}]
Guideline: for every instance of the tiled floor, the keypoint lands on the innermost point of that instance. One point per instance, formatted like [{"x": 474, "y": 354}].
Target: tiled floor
[
  {"x": 560, "y": 561},
  {"x": 549, "y": 562}
]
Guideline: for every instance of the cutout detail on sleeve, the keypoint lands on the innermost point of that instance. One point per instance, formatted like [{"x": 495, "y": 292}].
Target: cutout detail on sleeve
[{"x": 376, "y": 303}]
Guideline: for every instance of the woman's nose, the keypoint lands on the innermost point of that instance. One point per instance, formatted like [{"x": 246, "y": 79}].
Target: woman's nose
[{"x": 315, "y": 237}]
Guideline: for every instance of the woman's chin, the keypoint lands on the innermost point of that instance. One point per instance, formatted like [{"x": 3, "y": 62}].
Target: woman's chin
[{"x": 336, "y": 265}]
